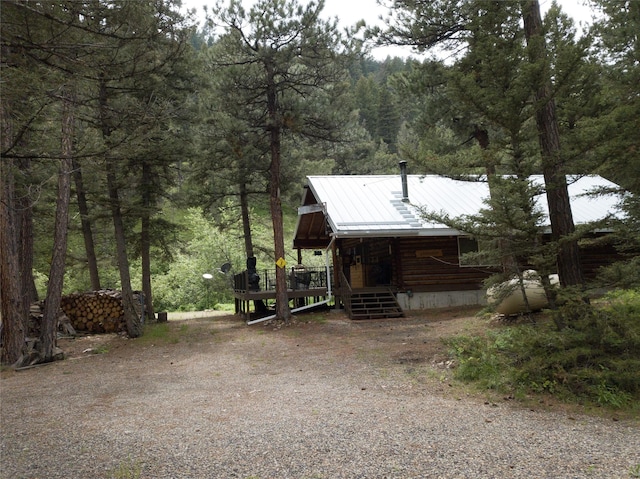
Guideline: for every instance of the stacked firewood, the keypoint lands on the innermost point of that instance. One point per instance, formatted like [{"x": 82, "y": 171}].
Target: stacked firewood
[
  {"x": 36, "y": 312},
  {"x": 95, "y": 311}
]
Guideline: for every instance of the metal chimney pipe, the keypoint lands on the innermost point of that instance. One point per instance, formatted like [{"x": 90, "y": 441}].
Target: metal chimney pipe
[{"x": 403, "y": 177}]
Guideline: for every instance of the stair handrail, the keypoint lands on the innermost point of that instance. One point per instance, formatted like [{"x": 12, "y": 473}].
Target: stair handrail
[
  {"x": 345, "y": 292},
  {"x": 393, "y": 294},
  {"x": 345, "y": 281}
]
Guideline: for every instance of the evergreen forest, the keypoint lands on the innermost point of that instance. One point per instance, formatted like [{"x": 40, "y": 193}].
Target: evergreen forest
[{"x": 140, "y": 150}]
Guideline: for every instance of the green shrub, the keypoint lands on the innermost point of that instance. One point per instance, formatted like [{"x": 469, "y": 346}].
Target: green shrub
[
  {"x": 479, "y": 360},
  {"x": 595, "y": 358}
]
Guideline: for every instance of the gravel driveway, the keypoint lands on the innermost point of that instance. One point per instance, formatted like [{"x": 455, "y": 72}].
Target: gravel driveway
[{"x": 324, "y": 399}]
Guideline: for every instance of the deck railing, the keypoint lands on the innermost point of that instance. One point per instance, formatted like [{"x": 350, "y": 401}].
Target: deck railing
[{"x": 265, "y": 280}]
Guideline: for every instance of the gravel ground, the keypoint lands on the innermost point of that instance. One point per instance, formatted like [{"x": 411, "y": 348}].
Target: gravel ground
[{"x": 325, "y": 399}]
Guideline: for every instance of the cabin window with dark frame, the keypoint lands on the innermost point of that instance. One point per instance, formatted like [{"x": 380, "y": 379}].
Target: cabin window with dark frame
[{"x": 467, "y": 244}]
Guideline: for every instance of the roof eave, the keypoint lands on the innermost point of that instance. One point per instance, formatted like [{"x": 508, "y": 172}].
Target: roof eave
[{"x": 396, "y": 233}]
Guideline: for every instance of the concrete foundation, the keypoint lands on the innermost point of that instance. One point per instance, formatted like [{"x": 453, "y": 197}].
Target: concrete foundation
[{"x": 442, "y": 299}]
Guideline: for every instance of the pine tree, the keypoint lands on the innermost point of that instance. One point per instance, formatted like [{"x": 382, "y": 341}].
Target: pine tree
[
  {"x": 553, "y": 167},
  {"x": 616, "y": 130},
  {"x": 490, "y": 36},
  {"x": 43, "y": 31},
  {"x": 121, "y": 63},
  {"x": 286, "y": 62}
]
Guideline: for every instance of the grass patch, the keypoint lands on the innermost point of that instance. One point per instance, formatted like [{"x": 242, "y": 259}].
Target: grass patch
[
  {"x": 594, "y": 360},
  {"x": 168, "y": 333},
  {"x": 174, "y": 332},
  {"x": 157, "y": 331},
  {"x": 101, "y": 349},
  {"x": 128, "y": 469},
  {"x": 229, "y": 307},
  {"x": 316, "y": 318}
]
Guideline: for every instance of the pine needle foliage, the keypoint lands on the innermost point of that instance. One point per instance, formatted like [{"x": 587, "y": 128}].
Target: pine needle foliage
[{"x": 593, "y": 361}]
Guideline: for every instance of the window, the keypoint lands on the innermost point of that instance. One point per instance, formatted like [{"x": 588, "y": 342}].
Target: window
[{"x": 467, "y": 244}]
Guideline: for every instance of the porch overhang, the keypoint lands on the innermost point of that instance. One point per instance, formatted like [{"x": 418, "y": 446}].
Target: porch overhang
[{"x": 312, "y": 230}]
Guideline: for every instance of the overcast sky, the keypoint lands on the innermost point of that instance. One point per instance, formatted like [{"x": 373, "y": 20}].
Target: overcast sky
[{"x": 350, "y": 12}]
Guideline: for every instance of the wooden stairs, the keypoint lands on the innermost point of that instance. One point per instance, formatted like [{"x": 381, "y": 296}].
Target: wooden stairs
[{"x": 372, "y": 304}]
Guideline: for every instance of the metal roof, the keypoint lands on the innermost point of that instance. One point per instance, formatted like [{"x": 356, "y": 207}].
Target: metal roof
[{"x": 372, "y": 205}]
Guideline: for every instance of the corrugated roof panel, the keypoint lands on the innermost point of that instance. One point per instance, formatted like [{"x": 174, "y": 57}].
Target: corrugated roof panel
[
  {"x": 586, "y": 208},
  {"x": 373, "y": 204}
]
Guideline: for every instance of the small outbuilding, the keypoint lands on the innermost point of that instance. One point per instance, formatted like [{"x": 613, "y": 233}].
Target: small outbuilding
[{"x": 387, "y": 258}]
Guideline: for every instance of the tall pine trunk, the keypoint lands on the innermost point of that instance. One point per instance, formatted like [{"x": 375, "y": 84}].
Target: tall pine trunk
[
  {"x": 24, "y": 223},
  {"x": 246, "y": 220},
  {"x": 13, "y": 315},
  {"x": 132, "y": 321},
  {"x": 283, "y": 312},
  {"x": 59, "y": 253},
  {"x": 145, "y": 237},
  {"x": 85, "y": 221},
  {"x": 560, "y": 215},
  {"x": 134, "y": 325}
]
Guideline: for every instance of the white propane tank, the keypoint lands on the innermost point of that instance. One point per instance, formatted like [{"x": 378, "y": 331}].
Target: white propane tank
[{"x": 513, "y": 302}]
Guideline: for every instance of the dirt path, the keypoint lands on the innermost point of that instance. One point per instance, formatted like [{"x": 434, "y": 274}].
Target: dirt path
[{"x": 326, "y": 398}]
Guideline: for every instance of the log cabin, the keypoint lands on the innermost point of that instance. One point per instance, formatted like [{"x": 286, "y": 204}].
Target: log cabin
[{"x": 387, "y": 258}]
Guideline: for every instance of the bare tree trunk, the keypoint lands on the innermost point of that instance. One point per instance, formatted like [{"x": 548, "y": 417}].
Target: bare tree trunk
[
  {"x": 134, "y": 325},
  {"x": 562, "y": 226},
  {"x": 87, "y": 234},
  {"x": 56, "y": 272},
  {"x": 283, "y": 312},
  {"x": 246, "y": 220},
  {"x": 58, "y": 256},
  {"x": 24, "y": 224},
  {"x": 13, "y": 316},
  {"x": 145, "y": 238}
]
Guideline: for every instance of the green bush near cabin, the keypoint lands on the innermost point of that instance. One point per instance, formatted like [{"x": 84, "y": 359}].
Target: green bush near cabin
[{"x": 594, "y": 360}]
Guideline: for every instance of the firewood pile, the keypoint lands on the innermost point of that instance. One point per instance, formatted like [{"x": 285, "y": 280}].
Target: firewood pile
[
  {"x": 95, "y": 311},
  {"x": 32, "y": 353},
  {"x": 36, "y": 312},
  {"x": 92, "y": 312}
]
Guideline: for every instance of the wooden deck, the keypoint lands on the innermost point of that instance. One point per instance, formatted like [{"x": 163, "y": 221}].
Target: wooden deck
[
  {"x": 257, "y": 297},
  {"x": 263, "y": 301}
]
